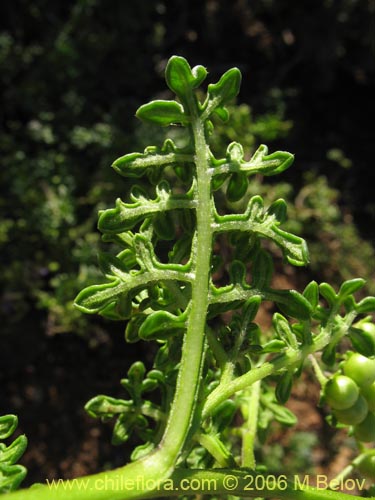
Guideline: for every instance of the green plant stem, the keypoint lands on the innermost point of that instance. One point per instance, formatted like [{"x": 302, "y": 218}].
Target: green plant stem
[
  {"x": 188, "y": 382},
  {"x": 322, "y": 379},
  {"x": 225, "y": 391},
  {"x": 249, "y": 430},
  {"x": 217, "y": 449},
  {"x": 344, "y": 473},
  {"x": 289, "y": 358}
]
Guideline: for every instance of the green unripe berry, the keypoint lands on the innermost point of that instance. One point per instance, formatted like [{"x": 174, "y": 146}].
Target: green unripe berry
[
  {"x": 360, "y": 369},
  {"x": 353, "y": 415},
  {"x": 341, "y": 392},
  {"x": 365, "y": 431},
  {"x": 368, "y": 327}
]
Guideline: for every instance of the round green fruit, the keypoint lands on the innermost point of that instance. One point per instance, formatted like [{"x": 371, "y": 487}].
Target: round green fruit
[
  {"x": 341, "y": 392},
  {"x": 353, "y": 415},
  {"x": 368, "y": 327},
  {"x": 365, "y": 431},
  {"x": 360, "y": 369}
]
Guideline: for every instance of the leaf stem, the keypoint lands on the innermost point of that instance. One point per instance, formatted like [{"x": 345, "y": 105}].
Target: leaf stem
[
  {"x": 250, "y": 409},
  {"x": 188, "y": 382},
  {"x": 288, "y": 358},
  {"x": 217, "y": 449},
  {"x": 225, "y": 391},
  {"x": 322, "y": 379}
]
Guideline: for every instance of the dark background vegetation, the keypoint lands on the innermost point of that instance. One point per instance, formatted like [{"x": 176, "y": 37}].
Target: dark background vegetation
[{"x": 72, "y": 74}]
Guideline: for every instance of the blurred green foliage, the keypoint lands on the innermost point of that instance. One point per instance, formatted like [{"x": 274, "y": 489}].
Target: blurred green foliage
[
  {"x": 62, "y": 127},
  {"x": 296, "y": 457}
]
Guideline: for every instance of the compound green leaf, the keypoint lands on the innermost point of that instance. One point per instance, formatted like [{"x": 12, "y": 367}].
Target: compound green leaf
[
  {"x": 362, "y": 341},
  {"x": 260, "y": 163},
  {"x": 187, "y": 220},
  {"x": 161, "y": 325},
  {"x": 162, "y": 113},
  {"x": 255, "y": 209},
  {"x": 138, "y": 382},
  {"x": 283, "y": 330},
  {"x": 218, "y": 181},
  {"x": 141, "y": 451},
  {"x": 349, "y": 287},
  {"x": 293, "y": 247},
  {"x": 8, "y": 424},
  {"x": 222, "y": 113},
  {"x": 258, "y": 221},
  {"x": 10, "y": 454},
  {"x": 126, "y": 215},
  {"x": 235, "y": 153},
  {"x": 125, "y": 286},
  {"x": 283, "y": 414},
  {"x": 292, "y": 303},
  {"x": 136, "y": 373},
  {"x": 279, "y": 210},
  {"x": 274, "y": 345},
  {"x": 133, "y": 326},
  {"x": 269, "y": 164},
  {"x": 119, "y": 310},
  {"x": 237, "y": 273},
  {"x": 95, "y": 297},
  {"x": 284, "y": 388},
  {"x": 237, "y": 186},
  {"x": 366, "y": 305},
  {"x": 250, "y": 309},
  {"x": 106, "y": 407},
  {"x": 112, "y": 266},
  {"x": 328, "y": 293},
  {"x": 227, "y": 87},
  {"x": 223, "y": 414},
  {"x": 11, "y": 477},
  {"x": 123, "y": 429},
  {"x": 131, "y": 165},
  {"x": 221, "y": 93},
  {"x": 262, "y": 270},
  {"x": 311, "y": 293},
  {"x": 149, "y": 384},
  {"x": 156, "y": 375},
  {"x": 164, "y": 226},
  {"x": 181, "y": 79},
  {"x": 137, "y": 164},
  {"x": 329, "y": 354}
]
